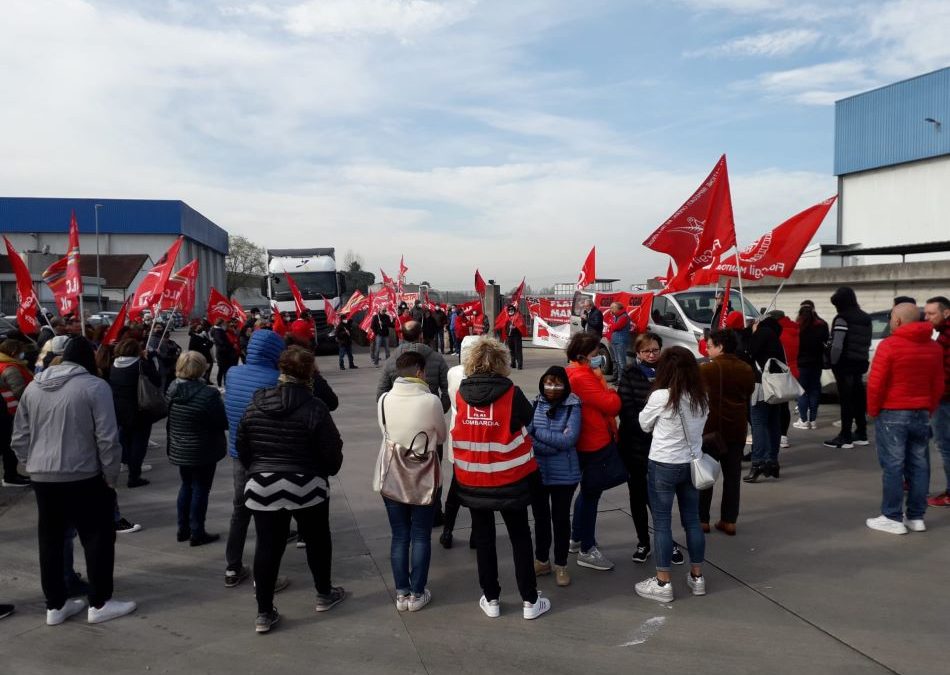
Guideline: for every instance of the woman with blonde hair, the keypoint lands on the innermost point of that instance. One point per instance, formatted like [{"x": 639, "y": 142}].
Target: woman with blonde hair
[
  {"x": 196, "y": 425},
  {"x": 496, "y": 470}
]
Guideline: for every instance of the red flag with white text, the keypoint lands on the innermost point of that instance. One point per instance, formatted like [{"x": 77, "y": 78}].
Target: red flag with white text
[
  {"x": 219, "y": 307},
  {"x": 26, "y": 296},
  {"x": 73, "y": 275},
  {"x": 776, "y": 253},
  {"x": 588, "y": 273},
  {"x": 179, "y": 291},
  {"x": 239, "y": 312},
  {"x": 55, "y": 278},
  {"x": 150, "y": 291}
]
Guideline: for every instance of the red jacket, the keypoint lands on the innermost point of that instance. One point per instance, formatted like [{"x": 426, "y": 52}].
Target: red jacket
[
  {"x": 618, "y": 324},
  {"x": 790, "y": 341},
  {"x": 600, "y": 406},
  {"x": 907, "y": 371}
]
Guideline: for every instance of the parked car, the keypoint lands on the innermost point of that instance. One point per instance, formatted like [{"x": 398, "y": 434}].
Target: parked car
[{"x": 102, "y": 319}]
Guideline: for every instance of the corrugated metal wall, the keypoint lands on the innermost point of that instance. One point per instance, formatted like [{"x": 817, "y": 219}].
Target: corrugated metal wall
[{"x": 886, "y": 126}]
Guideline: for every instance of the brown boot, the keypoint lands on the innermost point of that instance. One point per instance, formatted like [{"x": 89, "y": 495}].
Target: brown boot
[
  {"x": 727, "y": 528},
  {"x": 705, "y": 527}
]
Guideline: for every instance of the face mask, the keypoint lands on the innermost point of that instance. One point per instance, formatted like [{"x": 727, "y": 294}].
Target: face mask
[{"x": 598, "y": 361}]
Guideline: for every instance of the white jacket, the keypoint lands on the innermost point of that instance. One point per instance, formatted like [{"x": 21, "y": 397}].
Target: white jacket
[
  {"x": 669, "y": 444},
  {"x": 410, "y": 409}
]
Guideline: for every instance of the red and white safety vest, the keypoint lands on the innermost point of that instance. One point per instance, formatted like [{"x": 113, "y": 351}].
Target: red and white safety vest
[{"x": 487, "y": 452}]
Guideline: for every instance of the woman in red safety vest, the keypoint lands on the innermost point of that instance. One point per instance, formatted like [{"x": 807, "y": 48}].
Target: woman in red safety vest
[{"x": 496, "y": 471}]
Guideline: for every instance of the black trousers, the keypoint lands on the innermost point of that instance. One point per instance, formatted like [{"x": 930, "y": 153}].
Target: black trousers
[
  {"x": 854, "y": 403},
  {"x": 731, "y": 464},
  {"x": 10, "y": 470},
  {"x": 452, "y": 505},
  {"x": 89, "y": 506},
  {"x": 639, "y": 500},
  {"x": 519, "y": 532},
  {"x": 514, "y": 346},
  {"x": 785, "y": 418},
  {"x": 240, "y": 519},
  {"x": 551, "y": 506},
  {"x": 134, "y": 441},
  {"x": 272, "y": 528}
]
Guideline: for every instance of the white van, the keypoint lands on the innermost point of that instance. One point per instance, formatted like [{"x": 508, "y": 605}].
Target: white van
[{"x": 678, "y": 318}]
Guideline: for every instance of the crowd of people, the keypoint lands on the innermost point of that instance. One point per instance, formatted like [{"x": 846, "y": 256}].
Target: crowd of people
[{"x": 84, "y": 410}]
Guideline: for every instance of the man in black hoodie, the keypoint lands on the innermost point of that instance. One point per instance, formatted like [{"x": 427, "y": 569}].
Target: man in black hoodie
[{"x": 850, "y": 349}]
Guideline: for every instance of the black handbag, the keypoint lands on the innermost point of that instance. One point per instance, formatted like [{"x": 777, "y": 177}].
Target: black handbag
[
  {"x": 604, "y": 469},
  {"x": 151, "y": 401}
]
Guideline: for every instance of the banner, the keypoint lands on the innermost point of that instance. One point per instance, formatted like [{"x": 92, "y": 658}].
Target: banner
[
  {"x": 557, "y": 310},
  {"x": 218, "y": 307},
  {"x": 150, "y": 291},
  {"x": 112, "y": 335},
  {"x": 700, "y": 230},
  {"x": 552, "y": 337},
  {"x": 638, "y": 306},
  {"x": 776, "y": 253},
  {"x": 588, "y": 274},
  {"x": 25, "y": 295}
]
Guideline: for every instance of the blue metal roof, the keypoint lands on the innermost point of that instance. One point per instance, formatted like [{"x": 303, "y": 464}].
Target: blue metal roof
[
  {"x": 117, "y": 216},
  {"x": 887, "y": 126}
]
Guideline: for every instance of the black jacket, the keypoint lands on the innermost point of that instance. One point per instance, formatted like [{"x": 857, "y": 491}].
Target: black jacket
[
  {"x": 594, "y": 323},
  {"x": 286, "y": 428},
  {"x": 381, "y": 324},
  {"x": 634, "y": 390},
  {"x": 766, "y": 344},
  {"x": 196, "y": 424},
  {"x": 125, "y": 391},
  {"x": 323, "y": 391},
  {"x": 198, "y": 342},
  {"x": 811, "y": 344},
  {"x": 850, "y": 334},
  {"x": 223, "y": 348},
  {"x": 343, "y": 337},
  {"x": 482, "y": 390}
]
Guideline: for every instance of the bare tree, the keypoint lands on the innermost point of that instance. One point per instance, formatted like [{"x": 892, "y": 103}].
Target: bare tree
[
  {"x": 352, "y": 261},
  {"x": 245, "y": 261}
]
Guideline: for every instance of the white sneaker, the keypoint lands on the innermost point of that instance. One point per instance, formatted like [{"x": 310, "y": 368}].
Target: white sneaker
[
  {"x": 402, "y": 602},
  {"x": 836, "y": 423},
  {"x": 885, "y": 524},
  {"x": 418, "y": 602},
  {"x": 54, "y": 617},
  {"x": 595, "y": 560},
  {"x": 651, "y": 590},
  {"x": 801, "y": 424},
  {"x": 915, "y": 524},
  {"x": 146, "y": 468},
  {"x": 783, "y": 442},
  {"x": 113, "y": 609},
  {"x": 748, "y": 439},
  {"x": 532, "y": 610},
  {"x": 492, "y": 609},
  {"x": 574, "y": 547},
  {"x": 813, "y": 424},
  {"x": 698, "y": 586}
]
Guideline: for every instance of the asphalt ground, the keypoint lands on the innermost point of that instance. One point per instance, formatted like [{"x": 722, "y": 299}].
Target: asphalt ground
[{"x": 804, "y": 587}]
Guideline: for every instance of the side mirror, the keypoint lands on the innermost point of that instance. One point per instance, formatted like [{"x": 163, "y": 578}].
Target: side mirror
[{"x": 341, "y": 283}]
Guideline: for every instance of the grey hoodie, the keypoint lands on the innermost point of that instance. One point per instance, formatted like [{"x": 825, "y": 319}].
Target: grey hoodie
[{"x": 65, "y": 428}]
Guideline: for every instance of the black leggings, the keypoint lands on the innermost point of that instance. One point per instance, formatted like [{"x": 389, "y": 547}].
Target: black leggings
[
  {"x": 517, "y": 353},
  {"x": 639, "y": 500},
  {"x": 551, "y": 506},
  {"x": 272, "y": 528},
  {"x": 452, "y": 505},
  {"x": 89, "y": 506},
  {"x": 519, "y": 532}
]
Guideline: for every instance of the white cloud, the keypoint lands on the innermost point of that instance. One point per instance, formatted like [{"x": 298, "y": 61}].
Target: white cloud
[
  {"x": 771, "y": 44},
  {"x": 402, "y": 18}
]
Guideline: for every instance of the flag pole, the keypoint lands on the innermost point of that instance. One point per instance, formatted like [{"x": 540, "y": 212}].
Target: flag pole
[
  {"x": 739, "y": 274},
  {"x": 775, "y": 297},
  {"x": 40, "y": 308},
  {"x": 82, "y": 317}
]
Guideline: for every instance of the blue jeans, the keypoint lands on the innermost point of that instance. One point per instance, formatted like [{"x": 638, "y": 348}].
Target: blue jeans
[
  {"x": 663, "y": 482},
  {"x": 346, "y": 350},
  {"x": 941, "y": 430},
  {"x": 810, "y": 379},
  {"x": 584, "y": 523},
  {"x": 766, "y": 421},
  {"x": 903, "y": 449},
  {"x": 619, "y": 343},
  {"x": 410, "y": 524},
  {"x": 193, "y": 497},
  {"x": 380, "y": 341}
]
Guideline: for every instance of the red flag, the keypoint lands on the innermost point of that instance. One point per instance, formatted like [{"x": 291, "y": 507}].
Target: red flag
[
  {"x": 112, "y": 335},
  {"x": 700, "y": 230},
  {"x": 383, "y": 298},
  {"x": 218, "y": 307},
  {"x": 516, "y": 296},
  {"x": 470, "y": 308},
  {"x": 298, "y": 299},
  {"x": 480, "y": 285},
  {"x": 669, "y": 273},
  {"x": 26, "y": 296},
  {"x": 239, "y": 312},
  {"x": 277, "y": 321},
  {"x": 357, "y": 302},
  {"x": 73, "y": 276},
  {"x": 150, "y": 290},
  {"x": 55, "y": 278},
  {"x": 402, "y": 268},
  {"x": 332, "y": 317},
  {"x": 387, "y": 280},
  {"x": 587, "y": 275},
  {"x": 724, "y": 312},
  {"x": 702, "y": 277},
  {"x": 776, "y": 253},
  {"x": 179, "y": 291}
]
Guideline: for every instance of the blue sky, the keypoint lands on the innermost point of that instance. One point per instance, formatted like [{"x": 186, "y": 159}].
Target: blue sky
[{"x": 509, "y": 136}]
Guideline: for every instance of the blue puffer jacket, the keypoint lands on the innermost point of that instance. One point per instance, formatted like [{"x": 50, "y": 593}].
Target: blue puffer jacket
[
  {"x": 555, "y": 441},
  {"x": 263, "y": 352}
]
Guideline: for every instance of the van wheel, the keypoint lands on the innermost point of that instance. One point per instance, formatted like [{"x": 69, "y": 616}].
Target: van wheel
[{"x": 608, "y": 369}]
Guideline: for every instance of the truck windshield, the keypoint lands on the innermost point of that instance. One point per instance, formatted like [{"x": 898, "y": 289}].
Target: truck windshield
[
  {"x": 700, "y": 305},
  {"x": 311, "y": 284}
]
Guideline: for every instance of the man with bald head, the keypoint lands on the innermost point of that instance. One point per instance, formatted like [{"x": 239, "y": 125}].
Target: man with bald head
[{"x": 904, "y": 389}]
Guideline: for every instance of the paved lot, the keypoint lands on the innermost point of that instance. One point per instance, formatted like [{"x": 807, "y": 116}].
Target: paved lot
[{"x": 805, "y": 587}]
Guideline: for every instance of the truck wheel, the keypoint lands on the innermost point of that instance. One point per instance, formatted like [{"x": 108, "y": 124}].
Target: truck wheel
[{"x": 608, "y": 369}]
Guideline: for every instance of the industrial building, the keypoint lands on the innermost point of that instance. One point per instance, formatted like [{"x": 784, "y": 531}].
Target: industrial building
[{"x": 133, "y": 234}]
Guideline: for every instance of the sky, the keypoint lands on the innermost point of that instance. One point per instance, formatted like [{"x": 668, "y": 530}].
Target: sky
[{"x": 508, "y": 136}]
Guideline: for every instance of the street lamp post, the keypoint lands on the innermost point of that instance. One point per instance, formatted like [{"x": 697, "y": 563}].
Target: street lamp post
[{"x": 98, "y": 277}]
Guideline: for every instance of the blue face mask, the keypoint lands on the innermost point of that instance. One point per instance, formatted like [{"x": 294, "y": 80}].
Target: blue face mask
[{"x": 598, "y": 361}]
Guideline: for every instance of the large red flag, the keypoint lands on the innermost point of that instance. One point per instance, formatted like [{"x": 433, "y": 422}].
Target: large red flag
[
  {"x": 277, "y": 321},
  {"x": 516, "y": 296},
  {"x": 219, "y": 307},
  {"x": 179, "y": 292},
  {"x": 150, "y": 291},
  {"x": 332, "y": 317},
  {"x": 55, "y": 278},
  {"x": 26, "y": 296},
  {"x": 239, "y": 312},
  {"x": 588, "y": 273},
  {"x": 387, "y": 280},
  {"x": 402, "y": 268},
  {"x": 383, "y": 298},
  {"x": 73, "y": 276},
  {"x": 480, "y": 285},
  {"x": 298, "y": 299},
  {"x": 776, "y": 253},
  {"x": 356, "y": 302},
  {"x": 112, "y": 335},
  {"x": 700, "y": 230}
]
